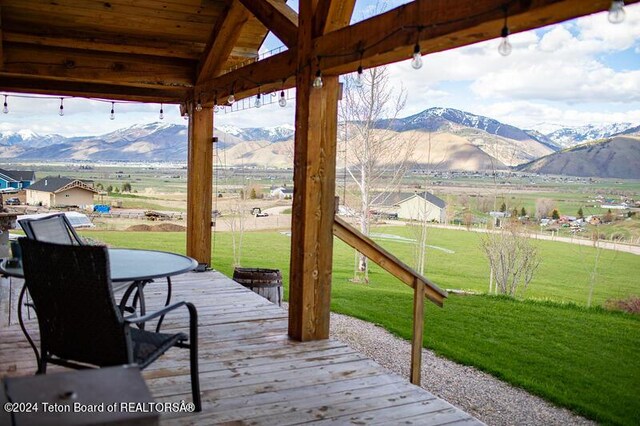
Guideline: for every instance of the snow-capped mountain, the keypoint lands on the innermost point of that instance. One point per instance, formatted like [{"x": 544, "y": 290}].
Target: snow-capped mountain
[
  {"x": 270, "y": 134},
  {"x": 565, "y": 137},
  {"x": 8, "y": 138},
  {"x": 435, "y": 119}
]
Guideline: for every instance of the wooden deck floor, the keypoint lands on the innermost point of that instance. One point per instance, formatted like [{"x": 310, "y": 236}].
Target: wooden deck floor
[{"x": 251, "y": 373}]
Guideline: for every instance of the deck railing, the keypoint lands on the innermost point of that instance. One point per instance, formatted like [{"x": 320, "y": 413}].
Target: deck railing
[{"x": 421, "y": 285}]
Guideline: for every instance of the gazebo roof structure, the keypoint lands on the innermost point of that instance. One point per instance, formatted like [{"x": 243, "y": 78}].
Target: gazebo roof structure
[
  {"x": 180, "y": 51},
  {"x": 172, "y": 50}
]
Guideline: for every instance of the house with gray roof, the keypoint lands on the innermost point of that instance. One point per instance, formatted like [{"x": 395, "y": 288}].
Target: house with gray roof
[
  {"x": 17, "y": 179},
  {"x": 57, "y": 191},
  {"x": 422, "y": 206}
]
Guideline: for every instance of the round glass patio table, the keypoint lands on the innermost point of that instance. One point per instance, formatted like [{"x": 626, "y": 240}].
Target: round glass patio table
[{"x": 131, "y": 265}]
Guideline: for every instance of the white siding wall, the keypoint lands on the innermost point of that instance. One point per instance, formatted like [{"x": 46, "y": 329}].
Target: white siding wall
[{"x": 417, "y": 208}]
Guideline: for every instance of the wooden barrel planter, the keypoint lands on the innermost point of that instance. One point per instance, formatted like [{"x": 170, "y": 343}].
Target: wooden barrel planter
[{"x": 265, "y": 282}]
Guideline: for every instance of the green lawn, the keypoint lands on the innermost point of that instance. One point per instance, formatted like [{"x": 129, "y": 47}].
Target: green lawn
[{"x": 584, "y": 359}]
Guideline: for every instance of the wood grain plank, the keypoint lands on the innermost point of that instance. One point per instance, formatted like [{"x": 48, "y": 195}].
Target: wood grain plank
[
  {"x": 200, "y": 184},
  {"x": 223, "y": 38},
  {"x": 278, "y": 17}
]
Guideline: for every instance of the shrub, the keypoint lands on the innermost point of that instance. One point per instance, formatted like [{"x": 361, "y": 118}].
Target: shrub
[{"x": 631, "y": 305}]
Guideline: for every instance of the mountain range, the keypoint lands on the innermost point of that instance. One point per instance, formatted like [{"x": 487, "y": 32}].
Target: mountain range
[{"x": 445, "y": 137}]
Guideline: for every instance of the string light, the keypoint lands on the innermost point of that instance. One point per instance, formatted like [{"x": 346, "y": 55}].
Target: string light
[
  {"x": 216, "y": 108},
  {"x": 61, "y": 113},
  {"x": 231, "y": 99},
  {"x": 161, "y": 116},
  {"x": 113, "y": 112},
  {"x": 199, "y": 103},
  {"x": 258, "y": 102},
  {"x": 274, "y": 94},
  {"x": 283, "y": 100},
  {"x": 317, "y": 82},
  {"x": 416, "y": 62},
  {"x": 616, "y": 12},
  {"x": 358, "y": 80},
  {"x": 6, "y": 106},
  {"x": 505, "y": 47}
]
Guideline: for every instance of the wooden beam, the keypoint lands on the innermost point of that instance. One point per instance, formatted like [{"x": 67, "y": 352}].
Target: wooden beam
[
  {"x": 385, "y": 260},
  {"x": 278, "y": 17},
  {"x": 388, "y": 38},
  {"x": 41, "y": 86},
  {"x": 332, "y": 15},
  {"x": 313, "y": 194},
  {"x": 418, "y": 331},
  {"x": 200, "y": 185},
  {"x": 439, "y": 25},
  {"x": 224, "y": 36},
  {"x": 1, "y": 42},
  {"x": 114, "y": 44},
  {"x": 46, "y": 62}
]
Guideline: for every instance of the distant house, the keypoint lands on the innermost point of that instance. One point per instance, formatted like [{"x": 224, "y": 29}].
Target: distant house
[
  {"x": 418, "y": 206},
  {"x": 18, "y": 179},
  {"x": 281, "y": 193},
  {"x": 60, "y": 192}
]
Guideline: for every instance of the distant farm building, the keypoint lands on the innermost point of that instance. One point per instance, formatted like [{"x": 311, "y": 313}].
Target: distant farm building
[
  {"x": 423, "y": 206},
  {"x": 61, "y": 192},
  {"x": 18, "y": 179},
  {"x": 281, "y": 193}
]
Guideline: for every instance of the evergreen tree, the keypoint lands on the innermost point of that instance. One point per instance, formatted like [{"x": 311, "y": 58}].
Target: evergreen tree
[
  {"x": 503, "y": 207},
  {"x": 523, "y": 212},
  {"x": 555, "y": 215},
  {"x": 580, "y": 213}
]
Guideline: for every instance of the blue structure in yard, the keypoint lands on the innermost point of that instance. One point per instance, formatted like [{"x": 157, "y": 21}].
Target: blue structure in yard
[{"x": 18, "y": 179}]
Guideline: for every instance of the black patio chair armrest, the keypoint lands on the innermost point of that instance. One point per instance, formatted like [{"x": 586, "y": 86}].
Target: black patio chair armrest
[{"x": 160, "y": 312}]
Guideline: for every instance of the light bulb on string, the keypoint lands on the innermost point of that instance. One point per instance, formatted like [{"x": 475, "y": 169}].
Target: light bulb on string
[
  {"x": 6, "y": 106},
  {"x": 317, "y": 82},
  {"x": 616, "y": 12},
  {"x": 358, "y": 80},
  {"x": 258, "y": 102},
  {"x": 283, "y": 100},
  {"x": 416, "y": 61},
  {"x": 61, "y": 112},
  {"x": 199, "y": 104},
  {"x": 161, "y": 116},
  {"x": 112, "y": 116},
  {"x": 274, "y": 94},
  {"x": 505, "y": 47},
  {"x": 216, "y": 108},
  {"x": 231, "y": 99}
]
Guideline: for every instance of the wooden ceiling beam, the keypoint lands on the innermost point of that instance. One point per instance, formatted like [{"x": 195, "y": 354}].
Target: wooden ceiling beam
[
  {"x": 268, "y": 74},
  {"x": 391, "y": 36},
  {"x": 46, "y": 62},
  {"x": 439, "y": 25},
  {"x": 278, "y": 17},
  {"x": 1, "y": 41},
  {"x": 332, "y": 15},
  {"x": 221, "y": 41},
  {"x": 116, "y": 44},
  {"x": 10, "y": 83}
]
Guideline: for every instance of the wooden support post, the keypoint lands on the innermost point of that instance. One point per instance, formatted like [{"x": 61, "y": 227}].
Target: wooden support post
[
  {"x": 418, "y": 329},
  {"x": 199, "y": 185},
  {"x": 314, "y": 209}
]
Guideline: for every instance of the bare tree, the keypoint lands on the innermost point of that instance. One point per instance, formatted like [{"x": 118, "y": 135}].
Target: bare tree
[
  {"x": 235, "y": 219},
  {"x": 513, "y": 259},
  {"x": 377, "y": 158},
  {"x": 544, "y": 206}
]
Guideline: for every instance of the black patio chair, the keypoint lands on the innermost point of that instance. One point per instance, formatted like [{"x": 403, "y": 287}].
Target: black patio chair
[
  {"x": 56, "y": 228},
  {"x": 52, "y": 229},
  {"x": 80, "y": 323}
]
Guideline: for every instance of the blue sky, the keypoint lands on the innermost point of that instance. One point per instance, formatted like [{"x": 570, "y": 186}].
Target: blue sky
[{"x": 585, "y": 71}]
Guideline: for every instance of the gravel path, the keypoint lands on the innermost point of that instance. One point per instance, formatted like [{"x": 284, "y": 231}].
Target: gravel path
[{"x": 479, "y": 394}]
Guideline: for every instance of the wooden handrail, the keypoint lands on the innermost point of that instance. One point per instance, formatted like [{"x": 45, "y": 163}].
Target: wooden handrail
[{"x": 421, "y": 285}]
